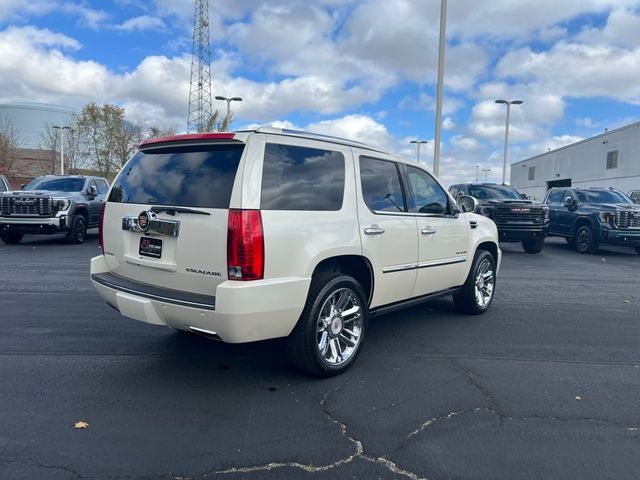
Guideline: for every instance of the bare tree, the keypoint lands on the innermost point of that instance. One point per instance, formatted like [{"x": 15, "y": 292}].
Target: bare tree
[
  {"x": 157, "y": 132},
  {"x": 127, "y": 138},
  {"x": 9, "y": 146},
  {"x": 218, "y": 122},
  {"x": 50, "y": 144}
]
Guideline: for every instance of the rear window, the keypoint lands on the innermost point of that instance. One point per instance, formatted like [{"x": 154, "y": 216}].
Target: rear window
[
  {"x": 195, "y": 176},
  {"x": 300, "y": 178}
]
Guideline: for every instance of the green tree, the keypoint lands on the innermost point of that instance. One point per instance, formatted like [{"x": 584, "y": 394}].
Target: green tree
[{"x": 101, "y": 137}]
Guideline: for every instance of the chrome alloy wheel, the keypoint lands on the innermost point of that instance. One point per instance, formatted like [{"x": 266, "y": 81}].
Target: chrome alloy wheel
[
  {"x": 339, "y": 327},
  {"x": 485, "y": 281}
]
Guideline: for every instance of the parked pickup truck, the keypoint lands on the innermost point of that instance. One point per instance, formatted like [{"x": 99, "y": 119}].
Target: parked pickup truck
[
  {"x": 517, "y": 219},
  {"x": 52, "y": 204}
]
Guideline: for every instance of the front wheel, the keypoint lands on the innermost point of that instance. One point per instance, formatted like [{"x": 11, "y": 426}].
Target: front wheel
[
  {"x": 585, "y": 241},
  {"x": 533, "y": 245},
  {"x": 11, "y": 238},
  {"x": 78, "y": 230},
  {"x": 476, "y": 295},
  {"x": 330, "y": 331}
]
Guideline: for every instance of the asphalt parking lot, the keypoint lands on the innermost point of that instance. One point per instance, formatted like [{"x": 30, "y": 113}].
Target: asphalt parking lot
[{"x": 545, "y": 385}]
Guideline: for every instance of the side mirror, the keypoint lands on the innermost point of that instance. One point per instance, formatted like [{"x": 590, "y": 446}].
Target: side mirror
[
  {"x": 92, "y": 191},
  {"x": 467, "y": 203},
  {"x": 523, "y": 196},
  {"x": 569, "y": 202},
  {"x": 22, "y": 186}
]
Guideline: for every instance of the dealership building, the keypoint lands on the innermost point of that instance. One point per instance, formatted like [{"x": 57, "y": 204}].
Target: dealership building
[{"x": 611, "y": 159}]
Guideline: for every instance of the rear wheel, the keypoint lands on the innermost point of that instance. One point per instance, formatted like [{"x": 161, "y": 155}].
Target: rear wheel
[
  {"x": 585, "y": 241},
  {"x": 533, "y": 245},
  {"x": 11, "y": 238},
  {"x": 329, "y": 335},
  {"x": 78, "y": 230},
  {"x": 476, "y": 295}
]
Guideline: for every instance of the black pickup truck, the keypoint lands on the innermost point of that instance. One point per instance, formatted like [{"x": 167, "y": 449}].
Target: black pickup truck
[
  {"x": 517, "y": 219},
  {"x": 588, "y": 217}
]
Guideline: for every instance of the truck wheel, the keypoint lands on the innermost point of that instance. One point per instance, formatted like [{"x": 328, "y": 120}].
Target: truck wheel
[
  {"x": 11, "y": 238},
  {"x": 476, "y": 295},
  {"x": 330, "y": 331},
  {"x": 585, "y": 241},
  {"x": 78, "y": 230},
  {"x": 533, "y": 245}
]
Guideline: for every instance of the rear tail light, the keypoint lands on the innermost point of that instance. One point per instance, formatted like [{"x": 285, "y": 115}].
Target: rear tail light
[
  {"x": 101, "y": 227},
  {"x": 245, "y": 245}
]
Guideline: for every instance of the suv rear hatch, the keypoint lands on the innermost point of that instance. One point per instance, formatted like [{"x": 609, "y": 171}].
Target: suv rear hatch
[{"x": 165, "y": 221}]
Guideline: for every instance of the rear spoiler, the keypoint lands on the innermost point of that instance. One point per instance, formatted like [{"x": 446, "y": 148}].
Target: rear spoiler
[{"x": 189, "y": 137}]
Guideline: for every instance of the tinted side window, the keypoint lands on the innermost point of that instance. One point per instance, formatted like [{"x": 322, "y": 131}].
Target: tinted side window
[
  {"x": 555, "y": 197},
  {"x": 193, "y": 176},
  {"x": 103, "y": 187},
  {"x": 300, "y": 178},
  {"x": 381, "y": 187},
  {"x": 454, "y": 190},
  {"x": 428, "y": 196}
]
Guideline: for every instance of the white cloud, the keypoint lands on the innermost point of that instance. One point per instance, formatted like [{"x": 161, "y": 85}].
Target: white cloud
[
  {"x": 448, "y": 124},
  {"x": 141, "y": 23}
]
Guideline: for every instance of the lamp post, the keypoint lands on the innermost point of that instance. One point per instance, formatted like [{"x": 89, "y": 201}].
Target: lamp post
[
  {"x": 477, "y": 173},
  {"x": 436, "y": 144},
  {"x": 62, "y": 129},
  {"x": 228, "y": 100},
  {"x": 486, "y": 170},
  {"x": 506, "y": 135},
  {"x": 418, "y": 142}
]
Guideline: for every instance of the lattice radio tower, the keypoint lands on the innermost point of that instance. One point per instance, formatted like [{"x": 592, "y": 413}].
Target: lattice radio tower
[{"x": 200, "y": 89}]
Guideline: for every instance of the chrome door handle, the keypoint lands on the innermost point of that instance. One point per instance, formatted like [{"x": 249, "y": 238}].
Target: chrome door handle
[
  {"x": 428, "y": 231},
  {"x": 374, "y": 230}
]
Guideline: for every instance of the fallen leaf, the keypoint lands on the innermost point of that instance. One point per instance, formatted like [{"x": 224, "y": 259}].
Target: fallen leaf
[
  {"x": 627, "y": 301},
  {"x": 604, "y": 259},
  {"x": 578, "y": 397},
  {"x": 79, "y": 425}
]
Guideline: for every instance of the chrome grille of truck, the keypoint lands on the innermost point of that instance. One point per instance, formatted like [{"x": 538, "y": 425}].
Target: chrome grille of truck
[
  {"x": 27, "y": 206},
  {"x": 519, "y": 214},
  {"x": 627, "y": 219}
]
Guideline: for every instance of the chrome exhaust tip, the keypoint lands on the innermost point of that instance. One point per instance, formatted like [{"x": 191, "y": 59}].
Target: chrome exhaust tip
[{"x": 205, "y": 333}]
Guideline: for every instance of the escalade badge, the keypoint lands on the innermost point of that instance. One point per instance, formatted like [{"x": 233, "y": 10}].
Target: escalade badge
[{"x": 144, "y": 220}]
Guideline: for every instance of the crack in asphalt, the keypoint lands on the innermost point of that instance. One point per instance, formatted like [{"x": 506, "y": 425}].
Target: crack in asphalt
[
  {"x": 358, "y": 453},
  {"x": 29, "y": 461}
]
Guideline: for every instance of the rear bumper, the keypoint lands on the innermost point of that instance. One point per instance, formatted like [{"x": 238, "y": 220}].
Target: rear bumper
[
  {"x": 35, "y": 225},
  {"x": 239, "y": 312}
]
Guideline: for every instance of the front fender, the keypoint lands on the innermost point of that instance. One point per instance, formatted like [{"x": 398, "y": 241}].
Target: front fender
[{"x": 485, "y": 232}]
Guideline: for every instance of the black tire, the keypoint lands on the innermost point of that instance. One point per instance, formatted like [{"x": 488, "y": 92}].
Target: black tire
[
  {"x": 585, "y": 241},
  {"x": 533, "y": 245},
  {"x": 11, "y": 238},
  {"x": 304, "y": 342},
  {"x": 466, "y": 300},
  {"x": 78, "y": 230}
]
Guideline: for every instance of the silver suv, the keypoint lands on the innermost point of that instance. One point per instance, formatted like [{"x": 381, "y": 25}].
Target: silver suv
[{"x": 273, "y": 233}]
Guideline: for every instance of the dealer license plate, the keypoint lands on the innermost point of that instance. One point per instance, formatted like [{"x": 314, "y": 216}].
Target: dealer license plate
[{"x": 150, "y": 247}]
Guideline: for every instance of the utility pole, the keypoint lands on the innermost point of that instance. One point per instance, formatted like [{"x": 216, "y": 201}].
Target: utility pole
[
  {"x": 200, "y": 109},
  {"x": 62, "y": 129},
  {"x": 443, "y": 28},
  {"x": 506, "y": 135}
]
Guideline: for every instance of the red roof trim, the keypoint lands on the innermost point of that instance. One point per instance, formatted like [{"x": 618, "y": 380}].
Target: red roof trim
[{"x": 188, "y": 137}]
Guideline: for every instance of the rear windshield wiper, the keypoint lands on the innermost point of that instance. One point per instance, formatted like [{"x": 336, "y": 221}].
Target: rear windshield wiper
[{"x": 174, "y": 210}]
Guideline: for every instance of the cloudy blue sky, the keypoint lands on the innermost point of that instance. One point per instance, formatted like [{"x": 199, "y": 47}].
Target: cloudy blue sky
[{"x": 364, "y": 69}]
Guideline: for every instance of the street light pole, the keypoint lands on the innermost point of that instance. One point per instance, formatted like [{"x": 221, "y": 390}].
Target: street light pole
[
  {"x": 62, "y": 129},
  {"x": 477, "y": 173},
  {"x": 228, "y": 100},
  {"x": 418, "y": 142},
  {"x": 436, "y": 145},
  {"x": 506, "y": 136},
  {"x": 486, "y": 170}
]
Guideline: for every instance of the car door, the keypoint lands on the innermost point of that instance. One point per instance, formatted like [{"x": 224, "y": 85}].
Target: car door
[
  {"x": 443, "y": 235},
  {"x": 566, "y": 215},
  {"x": 554, "y": 202},
  {"x": 388, "y": 231},
  {"x": 93, "y": 202}
]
